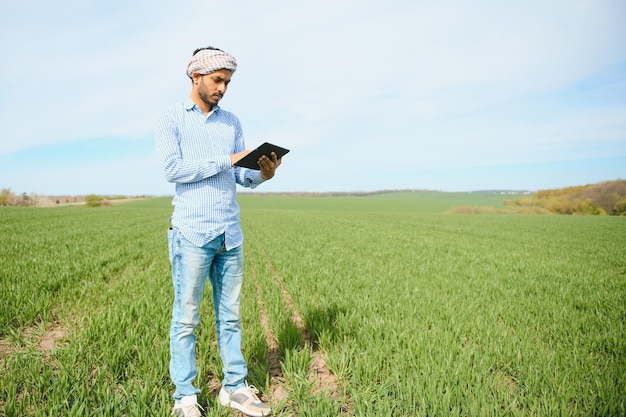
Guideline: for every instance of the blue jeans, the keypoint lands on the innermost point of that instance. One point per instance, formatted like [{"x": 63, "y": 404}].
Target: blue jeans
[{"x": 191, "y": 265}]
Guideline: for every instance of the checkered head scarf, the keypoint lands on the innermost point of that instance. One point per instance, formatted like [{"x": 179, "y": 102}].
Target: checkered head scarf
[{"x": 207, "y": 60}]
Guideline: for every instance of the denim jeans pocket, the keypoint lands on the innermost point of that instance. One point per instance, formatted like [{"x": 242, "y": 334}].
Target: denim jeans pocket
[{"x": 170, "y": 243}]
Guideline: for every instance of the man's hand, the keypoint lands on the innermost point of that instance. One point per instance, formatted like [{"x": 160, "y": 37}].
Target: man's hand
[
  {"x": 268, "y": 165},
  {"x": 237, "y": 156}
]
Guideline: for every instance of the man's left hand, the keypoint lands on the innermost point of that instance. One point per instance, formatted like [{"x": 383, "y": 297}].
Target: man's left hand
[{"x": 268, "y": 165}]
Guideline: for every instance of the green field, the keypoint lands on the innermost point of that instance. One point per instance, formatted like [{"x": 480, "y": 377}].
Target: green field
[{"x": 416, "y": 312}]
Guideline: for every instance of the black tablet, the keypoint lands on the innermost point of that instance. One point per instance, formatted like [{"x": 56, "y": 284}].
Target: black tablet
[{"x": 250, "y": 160}]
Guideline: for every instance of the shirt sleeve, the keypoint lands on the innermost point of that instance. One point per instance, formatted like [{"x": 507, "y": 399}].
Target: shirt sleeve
[
  {"x": 249, "y": 178},
  {"x": 177, "y": 169}
]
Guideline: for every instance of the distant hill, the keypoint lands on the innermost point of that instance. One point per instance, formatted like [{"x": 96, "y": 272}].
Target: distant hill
[{"x": 504, "y": 192}]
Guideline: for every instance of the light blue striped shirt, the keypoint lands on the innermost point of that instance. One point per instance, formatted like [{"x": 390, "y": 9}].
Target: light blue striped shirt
[{"x": 195, "y": 150}]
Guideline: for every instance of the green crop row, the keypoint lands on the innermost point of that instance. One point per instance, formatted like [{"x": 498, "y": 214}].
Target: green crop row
[
  {"x": 421, "y": 313},
  {"x": 416, "y": 312}
]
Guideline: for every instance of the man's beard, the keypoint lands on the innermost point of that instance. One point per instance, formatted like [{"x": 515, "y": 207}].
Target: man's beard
[{"x": 210, "y": 100}]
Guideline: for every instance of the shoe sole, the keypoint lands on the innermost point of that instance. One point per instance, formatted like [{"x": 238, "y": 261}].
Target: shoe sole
[{"x": 238, "y": 407}]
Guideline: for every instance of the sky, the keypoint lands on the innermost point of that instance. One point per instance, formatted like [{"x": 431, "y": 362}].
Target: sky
[{"x": 367, "y": 95}]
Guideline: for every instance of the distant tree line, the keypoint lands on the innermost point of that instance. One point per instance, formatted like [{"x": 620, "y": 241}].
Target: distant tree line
[
  {"x": 334, "y": 193},
  {"x": 9, "y": 198},
  {"x": 604, "y": 198}
]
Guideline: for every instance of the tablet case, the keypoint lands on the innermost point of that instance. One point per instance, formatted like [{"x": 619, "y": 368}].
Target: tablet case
[{"x": 250, "y": 160}]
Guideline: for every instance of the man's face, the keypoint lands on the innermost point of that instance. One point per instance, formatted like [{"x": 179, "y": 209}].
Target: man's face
[{"x": 212, "y": 87}]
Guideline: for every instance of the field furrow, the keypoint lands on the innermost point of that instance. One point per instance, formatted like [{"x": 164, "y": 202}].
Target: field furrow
[{"x": 352, "y": 306}]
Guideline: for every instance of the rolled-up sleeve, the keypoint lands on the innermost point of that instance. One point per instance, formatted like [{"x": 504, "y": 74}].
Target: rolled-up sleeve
[{"x": 249, "y": 178}]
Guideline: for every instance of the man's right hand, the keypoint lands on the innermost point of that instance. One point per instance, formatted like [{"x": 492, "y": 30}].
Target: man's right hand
[{"x": 237, "y": 156}]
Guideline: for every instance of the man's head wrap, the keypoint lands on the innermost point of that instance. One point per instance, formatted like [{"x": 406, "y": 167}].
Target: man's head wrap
[{"x": 207, "y": 60}]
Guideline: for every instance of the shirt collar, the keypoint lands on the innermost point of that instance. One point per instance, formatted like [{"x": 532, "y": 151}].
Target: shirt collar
[{"x": 189, "y": 105}]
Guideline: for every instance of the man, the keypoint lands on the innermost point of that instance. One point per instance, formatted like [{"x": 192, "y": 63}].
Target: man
[{"x": 198, "y": 144}]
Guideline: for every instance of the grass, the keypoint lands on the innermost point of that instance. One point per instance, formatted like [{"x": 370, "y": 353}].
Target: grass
[{"x": 416, "y": 312}]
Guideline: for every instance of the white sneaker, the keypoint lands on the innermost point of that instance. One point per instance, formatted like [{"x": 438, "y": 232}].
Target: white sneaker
[
  {"x": 245, "y": 400},
  {"x": 187, "y": 407}
]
